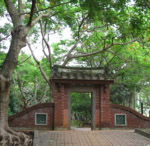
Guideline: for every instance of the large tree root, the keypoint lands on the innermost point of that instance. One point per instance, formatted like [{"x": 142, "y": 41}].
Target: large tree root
[{"x": 9, "y": 137}]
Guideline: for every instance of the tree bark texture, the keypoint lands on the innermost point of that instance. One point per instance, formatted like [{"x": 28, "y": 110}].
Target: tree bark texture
[
  {"x": 4, "y": 100},
  {"x": 7, "y": 136}
]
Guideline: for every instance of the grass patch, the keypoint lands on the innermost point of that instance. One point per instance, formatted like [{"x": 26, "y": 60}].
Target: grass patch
[{"x": 76, "y": 123}]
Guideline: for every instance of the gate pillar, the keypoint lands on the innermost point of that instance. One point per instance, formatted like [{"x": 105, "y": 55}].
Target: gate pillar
[
  {"x": 60, "y": 107},
  {"x": 105, "y": 106}
]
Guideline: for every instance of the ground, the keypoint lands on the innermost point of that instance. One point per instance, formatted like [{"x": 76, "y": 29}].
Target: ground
[
  {"x": 147, "y": 130},
  {"x": 92, "y": 138}
]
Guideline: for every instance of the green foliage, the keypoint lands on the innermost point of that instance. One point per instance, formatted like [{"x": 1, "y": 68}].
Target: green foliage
[
  {"x": 2, "y": 8},
  {"x": 4, "y": 35},
  {"x": 76, "y": 123},
  {"x": 119, "y": 93},
  {"x": 81, "y": 106},
  {"x": 14, "y": 106},
  {"x": 2, "y": 57},
  {"x": 28, "y": 86},
  {"x": 9, "y": 112}
]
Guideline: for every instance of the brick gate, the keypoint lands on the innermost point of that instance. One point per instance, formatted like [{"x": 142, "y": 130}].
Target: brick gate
[{"x": 71, "y": 79}]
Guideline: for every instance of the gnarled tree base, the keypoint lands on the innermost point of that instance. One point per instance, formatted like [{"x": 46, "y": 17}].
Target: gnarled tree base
[{"x": 9, "y": 137}]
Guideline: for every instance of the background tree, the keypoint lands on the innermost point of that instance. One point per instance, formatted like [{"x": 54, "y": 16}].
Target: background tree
[
  {"x": 28, "y": 87},
  {"x": 81, "y": 108}
]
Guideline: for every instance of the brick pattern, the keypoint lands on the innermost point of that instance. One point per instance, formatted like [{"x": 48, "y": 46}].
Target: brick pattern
[
  {"x": 102, "y": 103},
  {"x": 26, "y": 118},
  {"x": 98, "y": 116},
  {"x": 92, "y": 138},
  {"x": 134, "y": 119},
  {"x": 61, "y": 107},
  {"x": 58, "y": 109},
  {"x": 65, "y": 108},
  {"x": 105, "y": 106}
]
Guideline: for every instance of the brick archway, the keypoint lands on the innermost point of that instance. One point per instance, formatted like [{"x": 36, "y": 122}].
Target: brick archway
[{"x": 68, "y": 79}]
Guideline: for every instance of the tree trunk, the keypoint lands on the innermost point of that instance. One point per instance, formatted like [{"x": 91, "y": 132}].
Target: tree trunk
[
  {"x": 35, "y": 91},
  {"x": 132, "y": 99},
  {"x": 7, "y": 136},
  {"x": 4, "y": 100}
]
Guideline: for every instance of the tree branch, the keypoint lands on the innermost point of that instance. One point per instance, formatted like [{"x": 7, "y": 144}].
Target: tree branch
[
  {"x": 44, "y": 49},
  {"x": 97, "y": 52},
  {"x": 24, "y": 60},
  {"x": 47, "y": 45},
  {"x": 95, "y": 28},
  {"x": 118, "y": 56},
  {"x": 75, "y": 45},
  {"x": 21, "y": 90},
  {"x": 110, "y": 60},
  {"x": 19, "y": 85},
  {"x": 32, "y": 12},
  {"x": 20, "y": 6},
  {"x": 2, "y": 39},
  {"x": 146, "y": 4},
  {"x": 39, "y": 65},
  {"x": 62, "y": 58},
  {"x": 39, "y": 17},
  {"x": 51, "y": 7},
  {"x": 68, "y": 56},
  {"x": 12, "y": 12}
]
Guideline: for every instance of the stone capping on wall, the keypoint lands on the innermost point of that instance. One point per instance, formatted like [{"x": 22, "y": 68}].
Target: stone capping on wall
[
  {"x": 37, "y": 106},
  {"x": 130, "y": 110}
]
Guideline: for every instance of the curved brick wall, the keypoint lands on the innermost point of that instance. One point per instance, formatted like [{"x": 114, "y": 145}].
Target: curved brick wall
[
  {"x": 26, "y": 118},
  {"x": 134, "y": 119}
]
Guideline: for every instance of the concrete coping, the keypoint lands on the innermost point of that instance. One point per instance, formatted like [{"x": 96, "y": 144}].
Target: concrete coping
[{"x": 142, "y": 132}]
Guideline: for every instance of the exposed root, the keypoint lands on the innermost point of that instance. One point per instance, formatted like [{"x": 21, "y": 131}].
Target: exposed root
[{"x": 9, "y": 137}]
